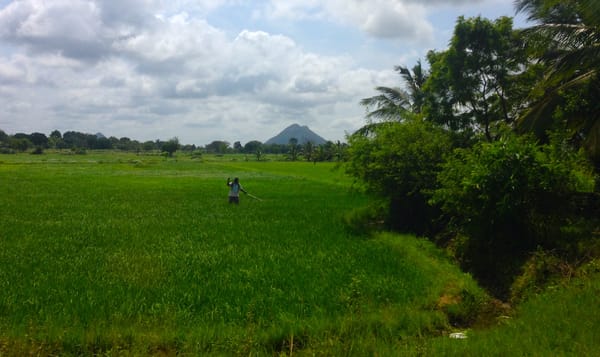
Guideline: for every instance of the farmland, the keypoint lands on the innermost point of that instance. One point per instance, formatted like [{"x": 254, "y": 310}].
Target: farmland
[{"x": 110, "y": 253}]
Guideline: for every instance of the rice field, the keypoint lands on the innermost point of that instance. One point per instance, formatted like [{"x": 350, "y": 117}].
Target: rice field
[{"x": 120, "y": 254}]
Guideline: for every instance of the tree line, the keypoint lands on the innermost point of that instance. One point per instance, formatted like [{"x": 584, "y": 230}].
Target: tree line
[
  {"x": 73, "y": 140},
  {"x": 79, "y": 142},
  {"x": 494, "y": 150}
]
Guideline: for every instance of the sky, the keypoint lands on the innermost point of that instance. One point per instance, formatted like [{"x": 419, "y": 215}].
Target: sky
[{"x": 205, "y": 70}]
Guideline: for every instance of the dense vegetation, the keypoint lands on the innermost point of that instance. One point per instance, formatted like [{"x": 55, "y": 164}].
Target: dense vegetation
[
  {"x": 79, "y": 142},
  {"x": 493, "y": 152}
]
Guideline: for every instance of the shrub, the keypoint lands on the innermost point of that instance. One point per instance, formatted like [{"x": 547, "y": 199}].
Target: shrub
[
  {"x": 399, "y": 161},
  {"x": 509, "y": 197}
]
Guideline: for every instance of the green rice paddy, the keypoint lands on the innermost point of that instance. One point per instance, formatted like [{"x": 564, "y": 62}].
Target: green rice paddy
[{"x": 119, "y": 254}]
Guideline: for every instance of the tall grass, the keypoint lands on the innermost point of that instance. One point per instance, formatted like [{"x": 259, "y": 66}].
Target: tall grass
[
  {"x": 563, "y": 321},
  {"x": 140, "y": 254}
]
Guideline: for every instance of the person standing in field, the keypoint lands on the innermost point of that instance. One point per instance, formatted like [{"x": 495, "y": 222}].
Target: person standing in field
[{"x": 234, "y": 190}]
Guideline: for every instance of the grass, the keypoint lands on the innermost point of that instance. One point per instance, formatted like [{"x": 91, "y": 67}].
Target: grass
[
  {"x": 120, "y": 254},
  {"x": 563, "y": 321},
  {"x": 106, "y": 253}
]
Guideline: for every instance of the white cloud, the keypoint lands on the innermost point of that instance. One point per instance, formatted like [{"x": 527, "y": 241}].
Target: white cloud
[
  {"x": 151, "y": 69},
  {"x": 378, "y": 18}
]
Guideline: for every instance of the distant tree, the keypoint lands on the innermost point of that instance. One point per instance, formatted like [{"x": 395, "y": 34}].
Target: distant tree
[
  {"x": 55, "y": 140},
  {"x": 103, "y": 143},
  {"x": 293, "y": 149},
  {"x": 124, "y": 144},
  {"x": 188, "y": 148},
  {"x": 171, "y": 146},
  {"x": 3, "y": 137},
  {"x": 259, "y": 154},
  {"x": 329, "y": 150},
  {"x": 340, "y": 150},
  {"x": 237, "y": 147},
  {"x": 149, "y": 145},
  {"x": 275, "y": 148},
  {"x": 22, "y": 136},
  {"x": 217, "y": 147},
  {"x": 19, "y": 143},
  {"x": 74, "y": 139},
  {"x": 91, "y": 141},
  {"x": 252, "y": 146},
  {"x": 39, "y": 140},
  {"x": 308, "y": 150},
  {"x": 114, "y": 141}
]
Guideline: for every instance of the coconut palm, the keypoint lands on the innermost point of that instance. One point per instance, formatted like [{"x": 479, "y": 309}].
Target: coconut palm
[
  {"x": 566, "y": 40},
  {"x": 396, "y": 103}
]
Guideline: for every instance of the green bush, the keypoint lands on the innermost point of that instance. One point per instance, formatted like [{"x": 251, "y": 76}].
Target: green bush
[
  {"x": 509, "y": 197},
  {"x": 399, "y": 161}
]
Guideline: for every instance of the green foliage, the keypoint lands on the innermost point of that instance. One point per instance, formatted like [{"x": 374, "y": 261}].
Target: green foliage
[
  {"x": 399, "y": 162},
  {"x": 171, "y": 146},
  {"x": 19, "y": 144},
  {"x": 566, "y": 41},
  {"x": 473, "y": 85},
  {"x": 509, "y": 197},
  {"x": 396, "y": 104}
]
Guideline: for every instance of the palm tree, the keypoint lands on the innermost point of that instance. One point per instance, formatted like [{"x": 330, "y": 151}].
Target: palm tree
[
  {"x": 395, "y": 103},
  {"x": 566, "y": 40}
]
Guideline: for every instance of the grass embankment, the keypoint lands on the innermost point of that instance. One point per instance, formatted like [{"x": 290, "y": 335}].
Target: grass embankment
[
  {"x": 124, "y": 254},
  {"x": 142, "y": 255},
  {"x": 562, "y": 321}
]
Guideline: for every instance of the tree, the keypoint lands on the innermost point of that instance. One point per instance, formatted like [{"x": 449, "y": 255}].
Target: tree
[
  {"x": 471, "y": 84},
  {"x": 73, "y": 139},
  {"x": 237, "y": 147},
  {"x": 217, "y": 146},
  {"x": 399, "y": 162},
  {"x": 39, "y": 140},
  {"x": 103, "y": 143},
  {"x": 293, "y": 149},
  {"x": 566, "y": 40},
  {"x": 308, "y": 151},
  {"x": 149, "y": 145},
  {"x": 3, "y": 137},
  {"x": 126, "y": 144},
  {"x": 171, "y": 146},
  {"x": 19, "y": 143},
  {"x": 252, "y": 146},
  {"x": 55, "y": 140},
  {"x": 397, "y": 103}
]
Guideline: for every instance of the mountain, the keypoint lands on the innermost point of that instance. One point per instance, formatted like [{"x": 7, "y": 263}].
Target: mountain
[{"x": 302, "y": 133}]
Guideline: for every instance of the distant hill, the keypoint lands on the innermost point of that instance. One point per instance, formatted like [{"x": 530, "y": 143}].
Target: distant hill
[{"x": 302, "y": 133}]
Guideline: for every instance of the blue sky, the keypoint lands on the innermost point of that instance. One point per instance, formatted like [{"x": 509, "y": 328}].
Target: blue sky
[{"x": 204, "y": 70}]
